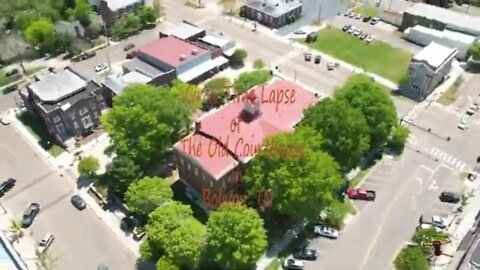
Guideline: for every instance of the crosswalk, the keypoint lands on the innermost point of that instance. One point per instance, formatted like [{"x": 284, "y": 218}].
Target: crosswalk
[{"x": 447, "y": 158}]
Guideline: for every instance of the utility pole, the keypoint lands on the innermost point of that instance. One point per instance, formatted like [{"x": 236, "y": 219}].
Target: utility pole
[
  {"x": 319, "y": 12},
  {"x": 106, "y": 49}
]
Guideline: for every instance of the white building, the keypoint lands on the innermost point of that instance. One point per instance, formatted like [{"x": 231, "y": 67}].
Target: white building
[
  {"x": 428, "y": 70},
  {"x": 423, "y": 36}
]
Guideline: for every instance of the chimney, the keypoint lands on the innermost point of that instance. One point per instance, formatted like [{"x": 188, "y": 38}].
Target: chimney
[
  {"x": 251, "y": 105},
  {"x": 182, "y": 57},
  {"x": 194, "y": 51},
  {"x": 198, "y": 126}
]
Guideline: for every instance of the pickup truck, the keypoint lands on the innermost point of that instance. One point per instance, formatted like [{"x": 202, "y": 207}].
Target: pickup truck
[{"x": 361, "y": 194}]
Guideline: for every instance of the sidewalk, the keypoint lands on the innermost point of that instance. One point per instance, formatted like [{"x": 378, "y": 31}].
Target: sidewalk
[
  {"x": 64, "y": 162},
  {"x": 461, "y": 224},
  {"x": 24, "y": 247}
]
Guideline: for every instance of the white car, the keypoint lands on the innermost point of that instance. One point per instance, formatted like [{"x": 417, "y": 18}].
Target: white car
[
  {"x": 430, "y": 226},
  {"x": 462, "y": 125},
  {"x": 369, "y": 39},
  {"x": 351, "y": 29},
  {"x": 471, "y": 110},
  {"x": 322, "y": 230},
  {"x": 100, "y": 67},
  {"x": 358, "y": 16},
  {"x": 45, "y": 243},
  {"x": 357, "y": 32},
  {"x": 292, "y": 264},
  {"x": 4, "y": 120},
  {"x": 332, "y": 65}
]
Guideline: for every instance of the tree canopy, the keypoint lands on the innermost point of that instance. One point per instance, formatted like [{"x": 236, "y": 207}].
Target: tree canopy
[
  {"x": 82, "y": 12},
  {"x": 147, "y": 15},
  {"x": 126, "y": 26},
  {"x": 411, "y": 258},
  {"x": 167, "y": 264},
  {"x": 427, "y": 236},
  {"x": 398, "y": 139},
  {"x": 239, "y": 56},
  {"x": 302, "y": 181},
  {"x": 39, "y": 31},
  {"x": 249, "y": 79},
  {"x": 88, "y": 166},
  {"x": 144, "y": 122},
  {"x": 361, "y": 93},
  {"x": 188, "y": 94},
  {"x": 344, "y": 129},
  {"x": 147, "y": 194},
  {"x": 120, "y": 174},
  {"x": 474, "y": 51},
  {"x": 236, "y": 238}
]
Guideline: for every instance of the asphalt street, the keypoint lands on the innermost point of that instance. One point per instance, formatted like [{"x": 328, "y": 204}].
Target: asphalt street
[{"x": 82, "y": 241}]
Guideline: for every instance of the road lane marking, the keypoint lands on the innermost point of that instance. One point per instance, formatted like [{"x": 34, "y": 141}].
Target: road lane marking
[
  {"x": 462, "y": 167},
  {"x": 433, "y": 185},
  {"x": 450, "y": 159},
  {"x": 385, "y": 216},
  {"x": 427, "y": 168}
]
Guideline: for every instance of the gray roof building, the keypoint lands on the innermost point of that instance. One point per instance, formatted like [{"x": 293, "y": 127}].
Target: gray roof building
[
  {"x": 118, "y": 83},
  {"x": 435, "y": 55},
  {"x": 453, "y": 20},
  {"x": 184, "y": 31},
  {"x": 115, "y": 5},
  {"x": 275, "y": 8},
  {"x": 53, "y": 87}
]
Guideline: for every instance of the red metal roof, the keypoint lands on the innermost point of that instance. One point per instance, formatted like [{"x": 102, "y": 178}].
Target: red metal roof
[
  {"x": 273, "y": 119},
  {"x": 169, "y": 49}
]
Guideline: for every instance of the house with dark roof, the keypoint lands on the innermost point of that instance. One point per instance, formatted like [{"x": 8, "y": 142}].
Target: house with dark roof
[
  {"x": 68, "y": 104},
  {"x": 225, "y": 140},
  {"x": 272, "y": 13}
]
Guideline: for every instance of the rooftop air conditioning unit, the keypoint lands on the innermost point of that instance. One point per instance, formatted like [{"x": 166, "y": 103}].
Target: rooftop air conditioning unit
[
  {"x": 182, "y": 57},
  {"x": 194, "y": 51}
]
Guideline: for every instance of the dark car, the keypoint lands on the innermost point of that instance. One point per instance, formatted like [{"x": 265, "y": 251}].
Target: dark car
[
  {"x": 30, "y": 214},
  {"x": 346, "y": 27},
  {"x": 366, "y": 19},
  {"x": 312, "y": 37},
  {"x": 78, "y": 202},
  {"x": 450, "y": 197},
  {"x": 11, "y": 72},
  {"x": 306, "y": 254},
  {"x": 102, "y": 267},
  {"x": 10, "y": 88},
  {"x": 128, "y": 46},
  {"x": 317, "y": 60},
  {"x": 6, "y": 185}
]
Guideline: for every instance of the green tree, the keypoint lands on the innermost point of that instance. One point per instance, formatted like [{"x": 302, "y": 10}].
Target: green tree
[
  {"x": 411, "y": 258},
  {"x": 367, "y": 96},
  {"x": 228, "y": 5},
  {"x": 398, "y": 139},
  {"x": 238, "y": 57},
  {"x": 144, "y": 122},
  {"x": 39, "y": 31},
  {"x": 343, "y": 128},
  {"x": 82, "y": 12},
  {"x": 247, "y": 80},
  {"x": 258, "y": 64},
  {"x": 216, "y": 90},
  {"x": 126, "y": 26},
  {"x": 23, "y": 19},
  {"x": 185, "y": 243},
  {"x": 189, "y": 95},
  {"x": 427, "y": 236},
  {"x": 120, "y": 174},
  {"x": 302, "y": 181},
  {"x": 236, "y": 238},
  {"x": 474, "y": 51},
  {"x": 148, "y": 193},
  {"x": 88, "y": 166},
  {"x": 16, "y": 230},
  {"x": 147, "y": 15},
  {"x": 167, "y": 264},
  {"x": 149, "y": 251}
]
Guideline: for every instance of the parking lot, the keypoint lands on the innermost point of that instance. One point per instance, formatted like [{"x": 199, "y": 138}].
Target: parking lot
[
  {"x": 382, "y": 31},
  {"x": 406, "y": 188},
  {"x": 81, "y": 240}
]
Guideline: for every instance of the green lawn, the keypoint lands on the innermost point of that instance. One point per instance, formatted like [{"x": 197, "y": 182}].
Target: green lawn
[
  {"x": 366, "y": 11},
  {"x": 38, "y": 129},
  {"x": 451, "y": 95},
  {"x": 378, "y": 57}
]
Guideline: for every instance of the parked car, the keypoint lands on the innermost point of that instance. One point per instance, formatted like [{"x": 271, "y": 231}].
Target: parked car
[
  {"x": 471, "y": 110},
  {"x": 30, "y": 214},
  {"x": 346, "y": 27},
  {"x": 311, "y": 37},
  {"x": 45, "y": 243},
  {"x": 299, "y": 32},
  {"x": 11, "y": 72},
  {"x": 433, "y": 220},
  {"x": 307, "y": 56},
  {"x": 361, "y": 194},
  {"x": 317, "y": 59},
  {"x": 322, "y": 230},
  {"x": 292, "y": 264},
  {"x": 51, "y": 69},
  {"x": 450, "y": 197},
  {"x": 10, "y": 88},
  {"x": 100, "y": 67},
  {"x": 363, "y": 36},
  {"x": 332, "y": 65},
  {"x": 357, "y": 32},
  {"x": 346, "y": 14},
  {"x": 366, "y": 19},
  {"x": 102, "y": 267},
  {"x": 78, "y": 202},
  {"x": 352, "y": 15},
  {"x": 462, "y": 125},
  {"x": 429, "y": 226},
  {"x": 4, "y": 120},
  {"x": 370, "y": 39},
  {"x": 351, "y": 29},
  {"x": 358, "y": 16},
  {"x": 7, "y": 185},
  {"x": 306, "y": 254},
  {"x": 374, "y": 20},
  {"x": 128, "y": 46}
]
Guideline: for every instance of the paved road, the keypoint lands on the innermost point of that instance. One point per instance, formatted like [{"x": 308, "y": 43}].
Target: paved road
[{"x": 82, "y": 241}]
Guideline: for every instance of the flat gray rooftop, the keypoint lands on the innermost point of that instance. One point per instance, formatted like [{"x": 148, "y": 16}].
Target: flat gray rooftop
[
  {"x": 183, "y": 31},
  {"x": 274, "y": 8},
  {"x": 52, "y": 87}
]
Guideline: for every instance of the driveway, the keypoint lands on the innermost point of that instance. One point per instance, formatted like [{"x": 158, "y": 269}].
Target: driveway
[
  {"x": 81, "y": 240},
  {"x": 381, "y": 31},
  {"x": 406, "y": 188}
]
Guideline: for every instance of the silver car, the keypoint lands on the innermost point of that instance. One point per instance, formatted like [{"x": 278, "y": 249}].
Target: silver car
[
  {"x": 45, "y": 243},
  {"x": 324, "y": 231}
]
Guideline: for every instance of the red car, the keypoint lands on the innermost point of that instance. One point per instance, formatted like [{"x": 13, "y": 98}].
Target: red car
[{"x": 361, "y": 194}]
